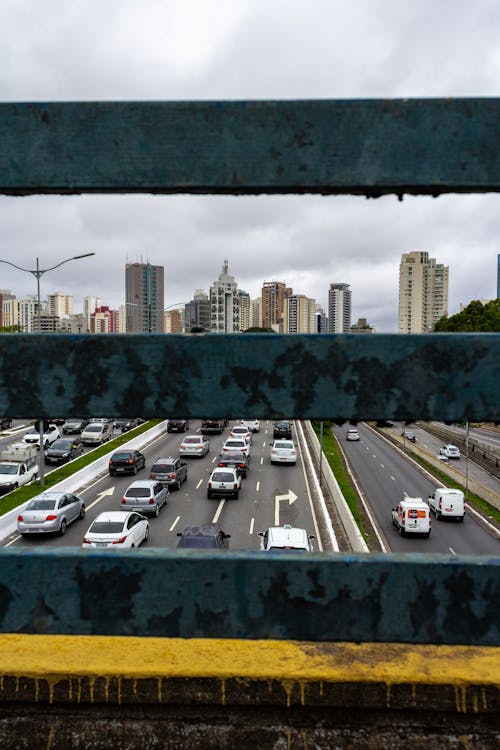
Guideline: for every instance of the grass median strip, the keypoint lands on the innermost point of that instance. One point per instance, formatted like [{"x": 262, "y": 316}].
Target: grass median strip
[{"x": 23, "y": 494}]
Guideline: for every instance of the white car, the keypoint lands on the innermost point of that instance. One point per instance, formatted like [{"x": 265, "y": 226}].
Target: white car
[
  {"x": 283, "y": 452},
  {"x": 242, "y": 431},
  {"x": 252, "y": 424},
  {"x": 224, "y": 481},
  {"x": 236, "y": 444},
  {"x": 286, "y": 538},
  {"x": 32, "y": 437},
  {"x": 117, "y": 529},
  {"x": 352, "y": 434},
  {"x": 450, "y": 451},
  {"x": 194, "y": 445},
  {"x": 97, "y": 433}
]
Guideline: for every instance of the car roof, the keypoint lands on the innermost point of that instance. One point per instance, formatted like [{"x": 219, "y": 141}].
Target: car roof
[
  {"x": 224, "y": 468},
  {"x": 233, "y": 454},
  {"x": 142, "y": 483},
  {"x": 50, "y": 495},
  {"x": 281, "y": 441},
  {"x": 199, "y": 437},
  {"x": 113, "y": 515},
  {"x": 414, "y": 501},
  {"x": 167, "y": 460},
  {"x": 289, "y": 536}
]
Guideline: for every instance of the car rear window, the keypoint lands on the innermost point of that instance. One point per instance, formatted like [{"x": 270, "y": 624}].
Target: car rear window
[
  {"x": 234, "y": 443},
  {"x": 192, "y": 440},
  {"x": 198, "y": 542},
  {"x": 222, "y": 476},
  {"x": 283, "y": 444},
  {"x": 138, "y": 492},
  {"x": 41, "y": 505},
  {"x": 123, "y": 456},
  {"x": 106, "y": 527},
  {"x": 162, "y": 468}
]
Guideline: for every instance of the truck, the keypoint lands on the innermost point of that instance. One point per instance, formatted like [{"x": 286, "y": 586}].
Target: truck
[{"x": 18, "y": 466}]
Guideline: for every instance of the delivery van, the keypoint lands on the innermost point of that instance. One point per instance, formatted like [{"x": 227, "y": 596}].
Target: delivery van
[
  {"x": 412, "y": 516},
  {"x": 447, "y": 503}
]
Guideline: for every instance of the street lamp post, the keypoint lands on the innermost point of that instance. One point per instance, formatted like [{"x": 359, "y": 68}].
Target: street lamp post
[{"x": 38, "y": 273}]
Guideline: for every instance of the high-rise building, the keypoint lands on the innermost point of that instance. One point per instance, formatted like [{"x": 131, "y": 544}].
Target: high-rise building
[
  {"x": 173, "y": 322},
  {"x": 244, "y": 308},
  {"x": 256, "y": 313},
  {"x": 10, "y": 309},
  {"x": 321, "y": 320},
  {"x": 5, "y": 296},
  {"x": 339, "y": 308},
  {"x": 60, "y": 304},
  {"x": 273, "y": 295},
  {"x": 122, "y": 319},
  {"x": 197, "y": 312},
  {"x": 423, "y": 292},
  {"x": 90, "y": 305},
  {"x": 144, "y": 298},
  {"x": 28, "y": 314},
  {"x": 224, "y": 303},
  {"x": 104, "y": 320},
  {"x": 299, "y": 314}
]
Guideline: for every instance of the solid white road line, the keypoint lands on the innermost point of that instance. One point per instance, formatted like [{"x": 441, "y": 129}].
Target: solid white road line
[
  {"x": 218, "y": 511},
  {"x": 252, "y": 521},
  {"x": 392, "y": 478},
  {"x": 257, "y": 488},
  {"x": 175, "y": 523},
  {"x": 261, "y": 460},
  {"x": 452, "y": 551},
  {"x": 264, "y": 444}
]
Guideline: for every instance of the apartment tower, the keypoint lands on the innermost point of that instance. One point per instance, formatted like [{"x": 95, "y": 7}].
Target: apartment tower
[
  {"x": 339, "y": 308},
  {"x": 423, "y": 292},
  {"x": 224, "y": 303},
  {"x": 299, "y": 314},
  {"x": 273, "y": 296},
  {"x": 144, "y": 298}
]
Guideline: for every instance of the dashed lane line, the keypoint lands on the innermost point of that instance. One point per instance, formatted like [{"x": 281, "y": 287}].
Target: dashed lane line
[
  {"x": 175, "y": 523},
  {"x": 218, "y": 511}
]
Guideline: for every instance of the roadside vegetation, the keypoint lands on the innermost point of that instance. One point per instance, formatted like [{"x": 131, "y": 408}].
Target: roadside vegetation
[{"x": 23, "y": 494}]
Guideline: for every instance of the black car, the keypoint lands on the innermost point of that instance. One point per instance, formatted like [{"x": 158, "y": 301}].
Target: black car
[
  {"x": 5, "y": 423},
  {"x": 74, "y": 425},
  {"x": 126, "y": 461},
  {"x": 177, "y": 425},
  {"x": 283, "y": 429},
  {"x": 63, "y": 449},
  {"x": 236, "y": 459},
  {"x": 170, "y": 471},
  {"x": 203, "y": 537},
  {"x": 124, "y": 425},
  {"x": 211, "y": 426}
]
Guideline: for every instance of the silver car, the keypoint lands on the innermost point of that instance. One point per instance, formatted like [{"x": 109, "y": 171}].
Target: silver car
[
  {"x": 194, "y": 445},
  {"x": 145, "y": 496},
  {"x": 50, "y": 512}
]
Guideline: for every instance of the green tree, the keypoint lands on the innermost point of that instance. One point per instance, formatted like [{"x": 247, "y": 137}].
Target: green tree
[
  {"x": 475, "y": 317},
  {"x": 256, "y": 329},
  {"x": 10, "y": 329}
]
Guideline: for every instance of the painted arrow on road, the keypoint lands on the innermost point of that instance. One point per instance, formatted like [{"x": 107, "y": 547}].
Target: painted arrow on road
[
  {"x": 290, "y": 496},
  {"x": 100, "y": 496}
]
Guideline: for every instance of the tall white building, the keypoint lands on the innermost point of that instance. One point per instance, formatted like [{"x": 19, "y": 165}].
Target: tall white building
[
  {"x": 244, "y": 310},
  {"x": 299, "y": 314},
  {"x": 423, "y": 292},
  {"x": 90, "y": 305},
  {"x": 224, "y": 303},
  {"x": 339, "y": 308},
  {"x": 60, "y": 304},
  {"x": 122, "y": 319},
  {"x": 256, "y": 313},
  {"x": 10, "y": 309},
  {"x": 28, "y": 311}
]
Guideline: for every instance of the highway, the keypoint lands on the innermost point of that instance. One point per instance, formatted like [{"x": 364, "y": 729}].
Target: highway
[
  {"x": 270, "y": 495},
  {"x": 385, "y": 475}
]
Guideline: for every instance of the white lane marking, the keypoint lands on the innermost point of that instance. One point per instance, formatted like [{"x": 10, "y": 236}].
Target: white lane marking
[
  {"x": 374, "y": 456},
  {"x": 214, "y": 459},
  {"x": 175, "y": 523},
  {"x": 261, "y": 460},
  {"x": 264, "y": 444},
  {"x": 199, "y": 483},
  {"x": 252, "y": 521},
  {"x": 392, "y": 478},
  {"x": 452, "y": 551},
  {"x": 218, "y": 511},
  {"x": 13, "y": 540},
  {"x": 405, "y": 494},
  {"x": 257, "y": 488},
  {"x": 382, "y": 466},
  {"x": 290, "y": 496},
  {"x": 100, "y": 496}
]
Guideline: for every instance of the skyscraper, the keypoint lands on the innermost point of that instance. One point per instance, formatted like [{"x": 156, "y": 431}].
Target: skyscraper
[
  {"x": 90, "y": 305},
  {"x": 224, "y": 303},
  {"x": 244, "y": 309},
  {"x": 299, "y": 314},
  {"x": 144, "y": 298},
  {"x": 197, "y": 312},
  {"x": 273, "y": 294},
  {"x": 423, "y": 292},
  {"x": 339, "y": 308}
]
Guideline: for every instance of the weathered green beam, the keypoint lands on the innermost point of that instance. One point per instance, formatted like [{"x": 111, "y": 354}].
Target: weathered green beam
[
  {"x": 439, "y": 376},
  {"x": 190, "y": 594},
  {"x": 370, "y": 147}
]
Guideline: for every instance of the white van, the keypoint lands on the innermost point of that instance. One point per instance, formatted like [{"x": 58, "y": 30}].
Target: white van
[
  {"x": 447, "y": 503},
  {"x": 412, "y": 516}
]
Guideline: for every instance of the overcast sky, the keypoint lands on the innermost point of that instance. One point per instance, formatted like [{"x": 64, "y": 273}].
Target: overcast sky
[{"x": 249, "y": 49}]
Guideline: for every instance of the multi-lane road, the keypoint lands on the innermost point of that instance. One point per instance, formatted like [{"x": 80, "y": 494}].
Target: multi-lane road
[{"x": 275, "y": 495}]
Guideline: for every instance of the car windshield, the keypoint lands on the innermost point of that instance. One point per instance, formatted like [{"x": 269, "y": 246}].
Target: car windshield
[
  {"x": 41, "y": 505},
  {"x": 192, "y": 440},
  {"x": 74, "y": 420},
  {"x": 222, "y": 476},
  {"x": 33, "y": 431},
  {"x": 162, "y": 468},
  {"x": 198, "y": 542},
  {"x": 138, "y": 492},
  {"x": 284, "y": 444},
  {"x": 8, "y": 469},
  {"x": 94, "y": 428},
  {"x": 121, "y": 456},
  {"x": 106, "y": 527},
  {"x": 62, "y": 444}
]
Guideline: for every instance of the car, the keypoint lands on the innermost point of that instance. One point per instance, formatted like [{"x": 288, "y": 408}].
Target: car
[
  {"x": 235, "y": 444},
  {"x": 50, "y": 512},
  {"x": 237, "y": 460},
  {"x": 278, "y": 538},
  {"x": 224, "y": 482},
  {"x": 282, "y": 429},
  {"x": 63, "y": 449},
  {"x": 252, "y": 424},
  {"x": 409, "y": 435},
  {"x": 352, "y": 434},
  {"x": 126, "y": 461},
  {"x": 50, "y": 435},
  {"x": 212, "y": 426},
  {"x": 125, "y": 424},
  {"x": 5, "y": 423},
  {"x": 178, "y": 425},
  {"x": 450, "y": 451},
  {"x": 412, "y": 516},
  {"x": 241, "y": 431},
  {"x": 194, "y": 445},
  {"x": 74, "y": 425},
  {"x": 283, "y": 452},
  {"x": 170, "y": 471},
  {"x": 117, "y": 529},
  {"x": 145, "y": 496},
  {"x": 97, "y": 433},
  {"x": 203, "y": 537}
]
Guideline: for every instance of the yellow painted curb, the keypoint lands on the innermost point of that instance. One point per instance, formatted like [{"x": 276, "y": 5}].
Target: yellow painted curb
[{"x": 106, "y": 656}]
